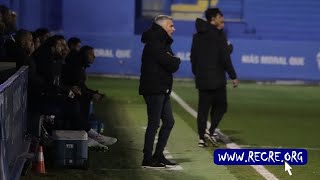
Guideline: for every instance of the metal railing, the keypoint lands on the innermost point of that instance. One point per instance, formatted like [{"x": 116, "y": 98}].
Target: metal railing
[{"x": 13, "y": 118}]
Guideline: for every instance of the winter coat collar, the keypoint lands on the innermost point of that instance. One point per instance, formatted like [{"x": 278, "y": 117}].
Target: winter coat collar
[
  {"x": 203, "y": 26},
  {"x": 156, "y": 32}
]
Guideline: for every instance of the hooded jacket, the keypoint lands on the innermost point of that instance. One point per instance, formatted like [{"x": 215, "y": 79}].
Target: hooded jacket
[
  {"x": 48, "y": 68},
  {"x": 158, "y": 62},
  {"x": 210, "y": 57},
  {"x": 74, "y": 72}
]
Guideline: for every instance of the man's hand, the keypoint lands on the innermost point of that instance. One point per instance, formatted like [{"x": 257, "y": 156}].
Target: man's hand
[
  {"x": 174, "y": 56},
  {"x": 71, "y": 94},
  {"x": 235, "y": 83},
  {"x": 97, "y": 96},
  {"x": 76, "y": 90}
]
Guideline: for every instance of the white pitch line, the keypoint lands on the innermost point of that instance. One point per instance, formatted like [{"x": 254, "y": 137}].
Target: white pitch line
[
  {"x": 175, "y": 168},
  {"x": 260, "y": 169}
]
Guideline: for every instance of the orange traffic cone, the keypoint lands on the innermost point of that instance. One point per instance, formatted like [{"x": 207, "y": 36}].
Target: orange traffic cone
[{"x": 40, "y": 168}]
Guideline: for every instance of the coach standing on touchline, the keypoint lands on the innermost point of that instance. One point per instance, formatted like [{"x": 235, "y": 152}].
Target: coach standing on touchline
[
  {"x": 210, "y": 60},
  {"x": 158, "y": 65}
]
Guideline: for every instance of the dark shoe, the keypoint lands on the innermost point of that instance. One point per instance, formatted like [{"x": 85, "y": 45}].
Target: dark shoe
[
  {"x": 153, "y": 163},
  {"x": 202, "y": 143},
  {"x": 162, "y": 159}
]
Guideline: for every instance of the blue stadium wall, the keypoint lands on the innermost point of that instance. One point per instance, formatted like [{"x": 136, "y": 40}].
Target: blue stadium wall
[{"x": 271, "y": 43}]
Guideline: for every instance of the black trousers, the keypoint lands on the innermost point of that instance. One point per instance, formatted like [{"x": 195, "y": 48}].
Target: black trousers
[
  {"x": 217, "y": 101},
  {"x": 33, "y": 115},
  {"x": 158, "y": 107},
  {"x": 78, "y": 113}
]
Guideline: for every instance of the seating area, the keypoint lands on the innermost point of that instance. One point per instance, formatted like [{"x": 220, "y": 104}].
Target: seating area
[
  {"x": 265, "y": 20},
  {"x": 278, "y": 20}
]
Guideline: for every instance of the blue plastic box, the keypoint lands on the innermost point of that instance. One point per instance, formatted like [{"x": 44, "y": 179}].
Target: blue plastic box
[{"x": 71, "y": 148}]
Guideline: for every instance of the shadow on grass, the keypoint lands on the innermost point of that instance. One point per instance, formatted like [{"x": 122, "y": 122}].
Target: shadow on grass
[
  {"x": 234, "y": 136},
  {"x": 182, "y": 160}
]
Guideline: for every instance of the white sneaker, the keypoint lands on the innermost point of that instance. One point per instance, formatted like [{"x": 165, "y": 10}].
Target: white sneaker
[
  {"x": 211, "y": 139},
  {"x": 105, "y": 140},
  {"x": 215, "y": 135},
  {"x": 207, "y": 131},
  {"x": 202, "y": 143},
  {"x": 94, "y": 144}
]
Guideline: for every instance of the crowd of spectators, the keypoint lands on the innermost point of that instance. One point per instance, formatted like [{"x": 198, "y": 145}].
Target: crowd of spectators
[{"x": 57, "y": 76}]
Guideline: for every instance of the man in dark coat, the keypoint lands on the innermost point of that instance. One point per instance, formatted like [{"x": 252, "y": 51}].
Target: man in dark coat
[
  {"x": 74, "y": 75},
  {"x": 49, "y": 60},
  {"x": 210, "y": 59},
  {"x": 7, "y": 31},
  {"x": 158, "y": 65},
  {"x": 21, "y": 49}
]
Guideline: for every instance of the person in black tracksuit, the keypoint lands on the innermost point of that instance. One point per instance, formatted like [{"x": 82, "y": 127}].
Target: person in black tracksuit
[
  {"x": 74, "y": 75},
  {"x": 158, "y": 65},
  {"x": 48, "y": 63},
  {"x": 210, "y": 60}
]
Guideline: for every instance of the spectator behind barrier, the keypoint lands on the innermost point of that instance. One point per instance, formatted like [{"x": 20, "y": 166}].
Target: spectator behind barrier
[
  {"x": 21, "y": 49},
  {"x": 36, "y": 41},
  {"x": 74, "y": 74},
  {"x": 9, "y": 19},
  {"x": 49, "y": 59},
  {"x": 43, "y": 34},
  {"x": 74, "y": 43},
  {"x": 8, "y": 28}
]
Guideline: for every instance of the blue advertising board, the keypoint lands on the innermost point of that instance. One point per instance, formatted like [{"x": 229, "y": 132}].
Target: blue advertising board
[{"x": 253, "y": 59}]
